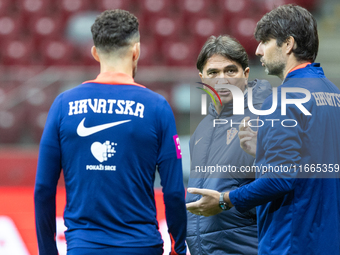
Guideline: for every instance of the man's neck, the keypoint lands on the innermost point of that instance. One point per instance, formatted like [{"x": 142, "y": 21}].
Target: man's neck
[
  {"x": 290, "y": 66},
  {"x": 121, "y": 66}
]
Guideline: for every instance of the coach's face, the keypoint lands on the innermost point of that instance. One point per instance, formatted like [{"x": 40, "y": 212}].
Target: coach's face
[
  {"x": 221, "y": 70},
  {"x": 272, "y": 57}
]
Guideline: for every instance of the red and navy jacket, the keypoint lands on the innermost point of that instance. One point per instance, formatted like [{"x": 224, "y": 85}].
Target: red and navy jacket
[{"x": 109, "y": 136}]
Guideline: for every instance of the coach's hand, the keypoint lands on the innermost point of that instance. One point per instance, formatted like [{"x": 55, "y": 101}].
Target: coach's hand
[
  {"x": 208, "y": 205},
  {"x": 248, "y": 138}
]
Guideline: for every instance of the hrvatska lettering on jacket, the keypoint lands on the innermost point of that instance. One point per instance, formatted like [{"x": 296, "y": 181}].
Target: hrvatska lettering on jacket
[{"x": 109, "y": 106}]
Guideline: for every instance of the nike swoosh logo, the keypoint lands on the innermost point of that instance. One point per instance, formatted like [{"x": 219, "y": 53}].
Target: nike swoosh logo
[
  {"x": 198, "y": 141},
  {"x": 86, "y": 131}
]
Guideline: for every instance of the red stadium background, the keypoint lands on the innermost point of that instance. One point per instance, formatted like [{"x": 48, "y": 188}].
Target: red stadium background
[{"x": 45, "y": 49}]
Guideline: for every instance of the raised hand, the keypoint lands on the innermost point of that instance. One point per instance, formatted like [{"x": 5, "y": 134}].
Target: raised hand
[
  {"x": 248, "y": 137},
  {"x": 208, "y": 205}
]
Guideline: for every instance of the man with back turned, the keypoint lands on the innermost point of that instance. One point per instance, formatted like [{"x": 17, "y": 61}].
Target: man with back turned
[{"x": 109, "y": 135}]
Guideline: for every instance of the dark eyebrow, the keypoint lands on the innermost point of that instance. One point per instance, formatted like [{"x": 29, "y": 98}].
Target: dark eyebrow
[
  {"x": 230, "y": 66},
  {"x": 226, "y": 67},
  {"x": 212, "y": 70}
]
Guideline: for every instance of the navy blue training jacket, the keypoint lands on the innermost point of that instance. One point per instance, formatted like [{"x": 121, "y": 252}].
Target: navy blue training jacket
[
  {"x": 298, "y": 210},
  {"x": 108, "y": 135},
  {"x": 230, "y": 232}
]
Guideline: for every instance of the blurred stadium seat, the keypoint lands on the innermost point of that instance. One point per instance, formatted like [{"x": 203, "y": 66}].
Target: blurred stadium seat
[
  {"x": 68, "y": 7},
  {"x": 235, "y": 7},
  {"x": 46, "y": 27},
  {"x": 17, "y": 52},
  {"x": 238, "y": 9},
  {"x": 11, "y": 125},
  {"x": 10, "y": 27},
  {"x": 158, "y": 7},
  {"x": 73, "y": 6},
  {"x": 12, "y": 117},
  {"x": 165, "y": 28},
  {"x": 198, "y": 8},
  {"x": 148, "y": 52},
  {"x": 57, "y": 52},
  {"x": 180, "y": 53},
  {"x": 31, "y": 8},
  {"x": 103, "y": 5},
  {"x": 201, "y": 28},
  {"x": 271, "y": 4},
  {"x": 243, "y": 30},
  {"x": 6, "y": 7}
]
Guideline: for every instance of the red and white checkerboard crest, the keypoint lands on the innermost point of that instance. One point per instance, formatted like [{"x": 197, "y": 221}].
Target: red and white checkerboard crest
[{"x": 231, "y": 133}]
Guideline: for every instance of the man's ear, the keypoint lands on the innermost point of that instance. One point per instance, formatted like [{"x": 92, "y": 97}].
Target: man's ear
[
  {"x": 94, "y": 53},
  {"x": 290, "y": 44},
  {"x": 246, "y": 75},
  {"x": 202, "y": 79},
  {"x": 201, "y": 76},
  {"x": 136, "y": 52},
  {"x": 246, "y": 72}
]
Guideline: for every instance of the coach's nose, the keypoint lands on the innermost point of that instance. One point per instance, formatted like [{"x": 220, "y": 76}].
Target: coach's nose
[
  {"x": 259, "y": 50},
  {"x": 223, "y": 79}
]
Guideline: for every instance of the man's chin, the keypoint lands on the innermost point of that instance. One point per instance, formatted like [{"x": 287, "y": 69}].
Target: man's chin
[
  {"x": 226, "y": 100},
  {"x": 275, "y": 70}
]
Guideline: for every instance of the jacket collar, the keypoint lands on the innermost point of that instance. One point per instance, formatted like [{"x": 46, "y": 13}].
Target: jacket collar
[{"x": 309, "y": 71}]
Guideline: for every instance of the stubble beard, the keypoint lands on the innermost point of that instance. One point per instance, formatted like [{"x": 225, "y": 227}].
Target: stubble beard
[
  {"x": 276, "y": 69},
  {"x": 277, "y": 66}
]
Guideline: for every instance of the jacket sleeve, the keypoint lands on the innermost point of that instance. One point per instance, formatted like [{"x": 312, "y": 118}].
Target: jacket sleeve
[
  {"x": 48, "y": 172},
  {"x": 280, "y": 147},
  {"x": 170, "y": 170}
]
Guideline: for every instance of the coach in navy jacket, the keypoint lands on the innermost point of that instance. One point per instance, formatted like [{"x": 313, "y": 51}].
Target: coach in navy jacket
[{"x": 230, "y": 232}]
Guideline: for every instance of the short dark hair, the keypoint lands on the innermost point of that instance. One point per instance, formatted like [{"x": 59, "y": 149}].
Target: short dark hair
[
  {"x": 291, "y": 20},
  {"x": 114, "y": 29},
  {"x": 225, "y": 46}
]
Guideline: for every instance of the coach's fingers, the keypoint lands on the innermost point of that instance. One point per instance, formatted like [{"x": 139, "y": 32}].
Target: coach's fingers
[
  {"x": 248, "y": 133},
  {"x": 243, "y": 142},
  {"x": 245, "y": 139},
  {"x": 196, "y": 211},
  {"x": 248, "y": 145},
  {"x": 207, "y": 205},
  {"x": 198, "y": 191},
  {"x": 193, "y": 205}
]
